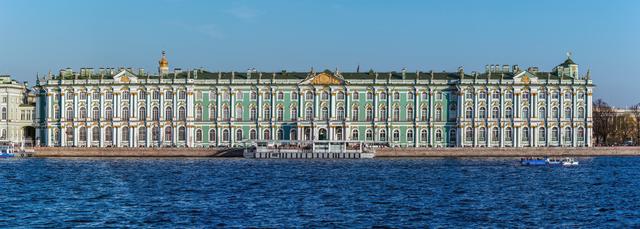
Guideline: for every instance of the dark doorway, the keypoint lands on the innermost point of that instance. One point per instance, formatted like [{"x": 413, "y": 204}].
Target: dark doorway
[
  {"x": 29, "y": 135},
  {"x": 322, "y": 135}
]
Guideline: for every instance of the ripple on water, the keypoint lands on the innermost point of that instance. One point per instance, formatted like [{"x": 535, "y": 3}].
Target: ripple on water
[{"x": 441, "y": 192}]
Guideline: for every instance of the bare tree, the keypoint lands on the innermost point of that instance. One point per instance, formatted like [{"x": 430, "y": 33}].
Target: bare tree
[
  {"x": 603, "y": 116},
  {"x": 635, "y": 111}
]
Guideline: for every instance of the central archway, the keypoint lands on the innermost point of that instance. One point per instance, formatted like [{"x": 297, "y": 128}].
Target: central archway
[
  {"x": 29, "y": 135},
  {"x": 322, "y": 135}
]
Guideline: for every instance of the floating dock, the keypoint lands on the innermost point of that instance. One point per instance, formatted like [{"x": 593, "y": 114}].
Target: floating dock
[{"x": 308, "y": 150}]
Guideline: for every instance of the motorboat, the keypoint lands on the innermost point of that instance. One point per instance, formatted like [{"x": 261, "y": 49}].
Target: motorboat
[
  {"x": 7, "y": 151},
  {"x": 554, "y": 161},
  {"x": 569, "y": 161}
]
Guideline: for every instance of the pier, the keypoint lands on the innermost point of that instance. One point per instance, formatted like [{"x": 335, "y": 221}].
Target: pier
[{"x": 308, "y": 150}]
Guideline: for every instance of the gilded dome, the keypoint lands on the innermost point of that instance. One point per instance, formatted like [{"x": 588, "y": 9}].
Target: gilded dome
[{"x": 163, "y": 61}]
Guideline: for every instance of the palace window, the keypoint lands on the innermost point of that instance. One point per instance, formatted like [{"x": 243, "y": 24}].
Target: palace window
[
  {"x": 354, "y": 113},
  {"x": 580, "y": 95},
  {"x": 554, "y": 134},
  {"x": 369, "y": 114},
  {"x": 356, "y": 95},
  {"x": 199, "y": 113},
  {"x": 468, "y": 114},
  {"x": 508, "y": 134},
  {"x": 267, "y": 95},
  {"x": 239, "y": 113},
  {"x": 198, "y": 135},
  {"x": 225, "y": 135},
  {"x": 340, "y": 95},
  {"x": 309, "y": 96},
  {"x": 182, "y": 113},
  {"x": 325, "y": 113},
  {"x": 280, "y": 134},
  {"x": 410, "y": 113},
  {"x": 239, "y": 96},
  {"x": 580, "y": 134},
  {"x": 542, "y": 134},
  {"x": 212, "y": 136},
  {"x": 439, "y": 95},
  {"x": 483, "y": 95},
  {"x": 580, "y": 112},
  {"x": 83, "y": 113},
  {"x": 424, "y": 135},
  {"x": 182, "y": 95},
  {"x": 482, "y": 113},
  {"x": 482, "y": 134},
  {"x": 495, "y": 94},
  {"x": 168, "y": 113},
  {"x": 383, "y": 96},
  {"x": 396, "y": 95},
  {"x": 254, "y": 96},
  {"x": 155, "y": 114},
  {"x": 212, "y": 113},
  {"x": 156, "y": 95},
  {"x": 108, "y": 113},
  {"x": 525, "y": 112},
  {"x": 340, "y": 113},
  {"x": 280, "y": 95},
  {"x": 396, "y": 135},
  {"x": 168, "y": 95},
  {"x": 370, "y": 95},
  {"x": 142, "y": 134},
  {"x": 396, "y": 114},
  {"x": 468, "y": 94},
  {"x": 143, "y": 95},
  {"x": 125, "y": 95},
  {"x": 83, "y": 95},
  {"x": 495, "y": 134},
  {"x": 567, "y": 95},
  {"x": 125, "y": 113},
  {"x": 253, "y": 135},
  {"x": 438, "y": 114},
  {"x": 294, "y": 114},
  {"x": 96, "y": 95},
  {"x": 354, "y": 134},
  {"x": 69, "y": 132},
  {"x": 369, "y": 135},
  {"x": 567, "y": 134},
  {"x": 409, "y": 135},
  {"x": 555, "y": 113},
  {"x": 325, "y": 95},
  {"x": 468, "y": 134},
  {"x": 226, "y": 115},
  {"x": 509, "y": 112},
  {"x": 308, "y": 115},
  {"x": 109, "y": 95},
  {"x": 567, "y": 112},
  {"x": 108, "y": 135},
  {"x": 542, "y": 112},
  {"x": 525, "y": 134},
  {"x": 239, "y": 135},
  {"x": 280, "y": 114},
  {"x": 555, "y": 95},
  {"x": 509, "y": 94},
  {"x": 83, "y": 134},
  {"x": 383, "y": 113},
  {"x": 69, "y": 114},
  {"x": 382, "y": 136},
  {"x": 267, "y": 113},
  {"x": 253, "y": 114},
  {"x": 155, "y": 133},
  {"x": 424, "y": 114},
  {"x": 294, "y": 95},
  {"x": 125, "y": 133},
  {"x": 410, "y": 96},
  {"x": 267, "y": 135},
  {"x": 95, "y": 113},
  {"x": 542, "y": 95},
  {"x": 69, "y": 95},
  {"x": 495, "y": 112},
  {"x": 438, "y": 135}
]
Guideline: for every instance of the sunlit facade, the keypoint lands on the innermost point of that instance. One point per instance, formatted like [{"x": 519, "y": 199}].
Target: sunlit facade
[{"x": 501, "y": 106}]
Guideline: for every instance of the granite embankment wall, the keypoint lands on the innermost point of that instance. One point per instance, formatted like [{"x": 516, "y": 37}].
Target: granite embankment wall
[
  {"x": 380, "y": 152},
  {"x": 507, "y": 152},
  {"x": 136, "y": 152}
]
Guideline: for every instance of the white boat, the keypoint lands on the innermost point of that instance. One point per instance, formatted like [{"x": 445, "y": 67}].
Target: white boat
[
  {"x": 7, "y": 151},
  {"x": 569, "y": 161},
  {"x": 554, "y": 161}
]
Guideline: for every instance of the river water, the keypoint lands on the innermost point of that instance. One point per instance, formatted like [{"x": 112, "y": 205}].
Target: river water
[{"x": 415, "y": 192}]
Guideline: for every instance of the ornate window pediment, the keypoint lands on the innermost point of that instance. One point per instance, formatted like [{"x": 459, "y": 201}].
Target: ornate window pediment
[
  {"x": 324, "y": 78},
  {"x": 125, "y": 76}
]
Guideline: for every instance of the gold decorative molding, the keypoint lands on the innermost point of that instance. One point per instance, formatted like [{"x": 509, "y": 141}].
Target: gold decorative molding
[{"x": 325, "y": 79}]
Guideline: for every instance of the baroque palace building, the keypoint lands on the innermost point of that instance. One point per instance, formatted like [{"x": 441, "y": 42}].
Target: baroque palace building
[{"x": 502, "y": 106}]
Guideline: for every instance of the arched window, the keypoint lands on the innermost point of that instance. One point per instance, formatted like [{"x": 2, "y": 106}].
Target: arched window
[
  {"x": 325, "y": 95},
  {"x": 383, "y": 113},
  {"x": 155, "y": 113},
  {"x": 239, "y": 113},
  {"x": 225, "y": 135},
  {"x": 354, "y": 113},
  {"x": 280, "y": 134},
  {"x": 198, "y": 135},
  {"x": 280, "y": 113},
  {"x": 424, "y": 114},
  {"x": 168, "y": 136},
  {"x": 525, "y": 95},
  {"x": 69, "y": 132},
  {"x": 182, "y": 113},
  {"x": 354, "y": 134},
  {"x": 56, "y": 112},
  {"x": 267, "y": 113},
  {"x": 482, "y": 134},
  {"x": 212, "y": 135},
  {"x": 542, "y": 112},
  {"x": 438, "y": 135},
  {"x": 468, "y": 113},
  {"x": 509, "y": 94},
  {"x": 396, "y": 95},
  {"x": 253, "y": 134},
  {"x": 309, "y": 96},
  {"x": 280, "y": 95},
  {"x": 125, "y": 113},
  {"x": 369, "y": 135},
  {"x": 253, "y": 114},
  {"x": 554, "y": 134},
  {"x": 468, "y": 134},
  {"x": 580, "y": 112},
  {"x": 108, "y": 135},
  {"x": 495, "y": 94},
  {"x": 226, "y": 115},
  {"x": 424, "y": 137},
  {"x": 168, "y": 114},
  {"x": 508, "y": 134},
  {"x": 83, "y": 113},
  {"x": 294, "y": 95},
  {"x": 308, "y": 114},
  {"x": 325, "y": 113},
  {"x": 396, "y": 114},
  {"x": 95, "y": 134},
  {"x": 155, "y": 133},
  {"x": 452, "y": 136},
  {"x": 293, "y": 134},
  {"x": 168, "y": 95},
  {"x": 239, "y": 136},
  {"x": 340, "y": 113},
  {"x": 382, "y": 136},
  {"x": 69, "y": 114},
  {"x": 356, "y": 95},
  {"x": 567, "y": 134},
  {"x": 125, "y": 133},
  {"x": 108, "y": 113},
  {"x": 525, "y": 134},
  {"x": 340, "y": 95},
  {"x": 525, "y": 112},
  {"x": 495, "y": 112},
  {"x": 142, "y": 113},
  {"x": 554, "y": 112},
  {"x": 542, "y": 134},
  {"x": 182, "y": 95},
  {"x": 495, "y": 134},
  {"x": 567, "y": 112},
  {"x": 254, "y": 95},
  {"x": 199, "y": 113},
  {"x": 212, "y": 113},
  {"x": 409, "y": 135},
  {"x": 482, "y": 95},
  {"x": 509, "y": 112},
  {"x": 156, "y": 95},
  {"x": 182, "y": 134},
  {"x": 410, "y": 113},
  {"x": 580, "y": 134},
  {"x": 83, "y": 134},
  {"x": 142, "y": 134},
  {"x": 482, "y": 112},
  {"x": 370, "y": 95},
  {"x": 438, "y": 114},
  {"x": 294, "y": 114},
  {"x": 266, "y": 135}
]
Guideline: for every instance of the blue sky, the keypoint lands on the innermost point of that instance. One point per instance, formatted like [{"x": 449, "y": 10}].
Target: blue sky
[{"x": 38, "y": 36}]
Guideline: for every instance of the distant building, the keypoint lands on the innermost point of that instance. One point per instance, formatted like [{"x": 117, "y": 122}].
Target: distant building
[
  {"x": 502, "y": 106},
  {"x": 17, "y": 110}
]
